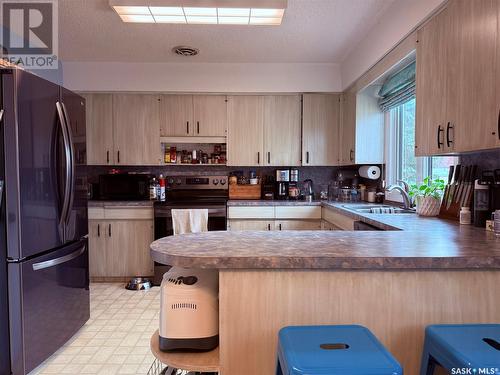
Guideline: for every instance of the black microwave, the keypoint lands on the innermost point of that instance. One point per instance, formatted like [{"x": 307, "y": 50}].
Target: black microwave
[{"x": 125, "y": 187}]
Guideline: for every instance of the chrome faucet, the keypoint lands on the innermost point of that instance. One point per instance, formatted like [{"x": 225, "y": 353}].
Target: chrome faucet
[{"x": 404, "y": 193}]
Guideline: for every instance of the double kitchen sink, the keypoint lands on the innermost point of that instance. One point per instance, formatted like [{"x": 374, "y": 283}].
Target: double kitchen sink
[{"x": 379, "y": 209}]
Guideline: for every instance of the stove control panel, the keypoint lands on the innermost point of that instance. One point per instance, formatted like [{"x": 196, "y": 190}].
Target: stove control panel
[{"x": 197, "y": 182}]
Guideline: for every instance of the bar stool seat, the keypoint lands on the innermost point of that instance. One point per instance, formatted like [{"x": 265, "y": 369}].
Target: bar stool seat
[
  {"x": 462, "y": 346},
  {"x": 333, "y": 350}
]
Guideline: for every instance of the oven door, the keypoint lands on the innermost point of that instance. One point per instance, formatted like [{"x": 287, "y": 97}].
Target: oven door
[{"x": 217, "y": 214}]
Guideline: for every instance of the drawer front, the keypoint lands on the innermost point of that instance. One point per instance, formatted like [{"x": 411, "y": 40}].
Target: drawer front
[
  {"x": 255, "y": 212},
  {"x": 128, "y": 213},
  {"x": 339, "y": 220},
  {"x": 302, "y": 212},
  {"x": 96, "y": 213}
]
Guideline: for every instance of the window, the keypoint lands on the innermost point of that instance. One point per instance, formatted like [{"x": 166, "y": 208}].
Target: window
[{"x": 402, "y": 164}]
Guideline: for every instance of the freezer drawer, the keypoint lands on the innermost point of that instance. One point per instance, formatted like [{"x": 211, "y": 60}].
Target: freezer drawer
[{"x": 48, "y": 304}]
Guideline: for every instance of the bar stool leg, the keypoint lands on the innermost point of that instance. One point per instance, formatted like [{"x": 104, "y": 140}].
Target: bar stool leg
[
  {"x": 428, "y": 364},
  {"x": 278, "y": 368}
]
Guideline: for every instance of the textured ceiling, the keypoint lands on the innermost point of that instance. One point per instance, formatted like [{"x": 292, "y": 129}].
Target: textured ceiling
[{"x": 320, "y": 31}]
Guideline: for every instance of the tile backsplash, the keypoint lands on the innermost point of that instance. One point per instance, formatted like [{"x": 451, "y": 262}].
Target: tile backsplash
[
  {"x": 321, "y": 176},
  {"x": 485, "y": 160}
]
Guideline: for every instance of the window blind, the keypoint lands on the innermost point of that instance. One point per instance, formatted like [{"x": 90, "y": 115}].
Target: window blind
[{"x": 398, "y": 88}]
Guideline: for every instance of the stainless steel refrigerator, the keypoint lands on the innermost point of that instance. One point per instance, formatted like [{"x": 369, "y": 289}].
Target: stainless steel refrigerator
[{"x": 44, "y": 278}]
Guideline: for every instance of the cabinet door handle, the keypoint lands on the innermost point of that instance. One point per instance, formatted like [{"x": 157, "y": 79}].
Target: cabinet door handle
[
  {"x": 107, "y": 156},
  {"x": 258, "y": 157},
  {"x": 268, "y": 157},
  {"x": 198, "y": 127},
  {"x": 109, "y": 230},
  {"x": 280, "y": 226},
  {"x": 118, "y": 156},
  {"x": 307, "y": 157},
  {"x": 98, "y": 230},
  {"x": 187, "y": 127},
  {"x": 438, "y": 137},
  {"x": 351, "y": 155},
  {"x": 268, "y": 226},
  {"x": 448, "y": 127}
]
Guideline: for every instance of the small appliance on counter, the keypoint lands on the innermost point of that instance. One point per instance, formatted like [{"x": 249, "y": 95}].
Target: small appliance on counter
[
  {"x": 268, "y": 188},
  {"x": 486, "y": 196},
  {"x": 124, "y": 186},
  {"x": 189, "y": 310},
  {"x": 293, "y": 186},
  {"x": 282, "y": 183},
  {"x": 308, "y": 190}
]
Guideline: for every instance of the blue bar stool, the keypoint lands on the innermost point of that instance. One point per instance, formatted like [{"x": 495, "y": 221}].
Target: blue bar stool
[
  {"x": 463, "y": 347},
  {"x": 333, "y": 350}
]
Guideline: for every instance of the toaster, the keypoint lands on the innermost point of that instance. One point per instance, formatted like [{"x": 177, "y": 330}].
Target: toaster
[{"x": 189, "y": 310}]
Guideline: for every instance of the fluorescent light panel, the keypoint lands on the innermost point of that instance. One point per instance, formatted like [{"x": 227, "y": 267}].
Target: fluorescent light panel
[{"x": 200, "y": 15}]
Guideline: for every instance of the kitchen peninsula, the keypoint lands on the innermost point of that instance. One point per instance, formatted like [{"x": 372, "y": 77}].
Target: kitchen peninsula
[{"x": 418, "y": 271}]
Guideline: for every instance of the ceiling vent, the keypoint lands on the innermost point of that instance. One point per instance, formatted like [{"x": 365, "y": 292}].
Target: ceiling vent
[{"x": 185, "y": 51}]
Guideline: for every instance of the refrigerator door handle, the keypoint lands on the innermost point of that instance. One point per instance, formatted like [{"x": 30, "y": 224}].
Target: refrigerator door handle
[
  {"x": 60, "y": 260},
  {"x": 72, "y": 157},
  {"x": 1, "y": 114},
  {"x": 67, "y": 187}
]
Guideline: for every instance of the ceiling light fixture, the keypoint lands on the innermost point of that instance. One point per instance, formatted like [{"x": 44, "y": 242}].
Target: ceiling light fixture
[{"x": 222, "y": 12}]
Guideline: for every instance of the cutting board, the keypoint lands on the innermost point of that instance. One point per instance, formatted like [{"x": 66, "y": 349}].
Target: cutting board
[{"x": 244, "y": 191}]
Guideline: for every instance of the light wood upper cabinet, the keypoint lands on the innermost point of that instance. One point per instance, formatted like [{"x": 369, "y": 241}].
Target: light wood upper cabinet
[
  {"x": 282, "y": 130},
  {"x": 474, "y": 64},
  {"x": 457, "y": 79},
  {"x": 245, "y": 130},
  {"x": 431, "y": 86},
  {"x": 210, "y": 115},
  {"x": 99, "y": 117},
  {"x": 320, "y": 129},
  {"x": 136, "y": 129},
  {"x": 347, "y": 133},
  {"x": 497, "y": 130},
  {"x": 176, "y": 115},
  {"x": 193, "y": 115}
]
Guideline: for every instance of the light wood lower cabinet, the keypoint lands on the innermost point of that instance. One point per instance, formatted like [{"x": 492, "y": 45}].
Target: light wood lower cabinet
[
  {"x": 336, "y": 219},
  {"x": 297, "y": 225},
  {"x": 120, "y": 248},
  {"x": 240, "y": 225},
  {"x": 326, "y": 225}
]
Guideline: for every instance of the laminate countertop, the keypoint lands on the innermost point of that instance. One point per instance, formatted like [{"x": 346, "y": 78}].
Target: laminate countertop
[
  {"x": 265, "y": 202},
  {"x": 407, "y": 242},
  {"x": 98, "y": 203}
]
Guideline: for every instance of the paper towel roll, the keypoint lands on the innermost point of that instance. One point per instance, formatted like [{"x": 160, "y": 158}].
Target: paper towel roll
[{"x": 369, "y": 171}]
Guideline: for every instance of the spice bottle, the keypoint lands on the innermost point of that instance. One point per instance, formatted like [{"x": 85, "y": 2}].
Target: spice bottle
[{"x": 465, "y": 216}]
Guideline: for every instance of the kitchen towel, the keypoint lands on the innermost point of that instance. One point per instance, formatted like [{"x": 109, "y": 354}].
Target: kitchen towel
[{"x": 190, "y": 221}]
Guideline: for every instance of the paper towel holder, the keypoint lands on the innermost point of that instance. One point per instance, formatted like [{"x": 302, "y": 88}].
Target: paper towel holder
[{"x": 371, "y": 172}]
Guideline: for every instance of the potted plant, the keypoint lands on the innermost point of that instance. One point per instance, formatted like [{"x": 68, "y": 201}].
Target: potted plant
[{"x": 427, "y": 196}]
